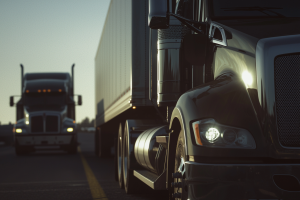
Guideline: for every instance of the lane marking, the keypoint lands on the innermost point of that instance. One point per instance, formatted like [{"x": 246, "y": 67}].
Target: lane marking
[{"x": 96, "y": 189}]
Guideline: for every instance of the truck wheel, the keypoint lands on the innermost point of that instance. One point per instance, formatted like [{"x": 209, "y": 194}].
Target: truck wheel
[
  {"x": 72, "y": 149},
  {"x": 131, "y": 183},
  {"x": 180, "y": 190},
  {"x": 119, "y": 157},
  {"x": 19, "y": 150}
]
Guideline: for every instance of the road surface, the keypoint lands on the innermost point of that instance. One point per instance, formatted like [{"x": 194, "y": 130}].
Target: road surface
[{"x": 56, "y": 175}]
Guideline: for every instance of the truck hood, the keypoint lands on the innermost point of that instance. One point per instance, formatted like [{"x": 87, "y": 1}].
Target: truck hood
[
  {"x": 60, "y": 111},
  {"x": 264, "y": 28}
]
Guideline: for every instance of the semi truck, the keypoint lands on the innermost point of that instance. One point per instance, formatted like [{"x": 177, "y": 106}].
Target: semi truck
[
  {"x": 45, "y": 113},
  {"x": 201, "y": 97}
]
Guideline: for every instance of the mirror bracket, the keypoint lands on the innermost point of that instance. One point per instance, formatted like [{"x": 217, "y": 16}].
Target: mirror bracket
[
  {"x": 212, "y": 29},
  {"x": 189, "y": 23}
]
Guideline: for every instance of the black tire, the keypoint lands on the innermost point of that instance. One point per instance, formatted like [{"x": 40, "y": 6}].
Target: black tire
[
  {"x": 20, "y": 150},
  {"x": 72, "y": 149},
  {"x": 180, "y": 157},
  {"x": 116, "y": 158},
  {"x": 131, "y": 183},
  {"x": 120, "y": 157}
]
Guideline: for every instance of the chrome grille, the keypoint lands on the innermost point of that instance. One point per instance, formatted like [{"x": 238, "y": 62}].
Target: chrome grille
[
  {"x": 287, "y": 95},
  {"x": 51, "y": 124},
  {"x": 37, "y": 124}
]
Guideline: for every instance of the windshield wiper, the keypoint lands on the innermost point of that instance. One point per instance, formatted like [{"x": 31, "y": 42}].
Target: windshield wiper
[{"x": 256, "y": 8}]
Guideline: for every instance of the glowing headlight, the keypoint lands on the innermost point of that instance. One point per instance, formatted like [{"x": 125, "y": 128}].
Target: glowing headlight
[
  {"x": 70, "y": 129},
  {"x": 212, "y": 134},
  {"x": 18, "y": 130},
  {"x": 209, "y": 133}
]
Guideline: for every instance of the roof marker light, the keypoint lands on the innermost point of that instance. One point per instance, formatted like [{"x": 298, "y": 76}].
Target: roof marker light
[
  {"x": 133, "y": 107},
  {"x": 49, "y": 90},
  {"x": 27, "y": 91},
  {"x": 59, "y": 90},
  {"x": 39, "y": 91},
  {"x": 44, "y": 90}
]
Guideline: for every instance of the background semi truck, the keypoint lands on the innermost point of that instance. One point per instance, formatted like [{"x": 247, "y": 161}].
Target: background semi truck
[
  {"x": 205, "y": 103},
  {"x": 46, "y": 112}
]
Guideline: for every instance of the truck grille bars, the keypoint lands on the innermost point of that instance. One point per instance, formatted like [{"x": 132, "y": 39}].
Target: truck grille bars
[
  {"x": 40, "y": 124},
  {"x": 287, "y": 95}
]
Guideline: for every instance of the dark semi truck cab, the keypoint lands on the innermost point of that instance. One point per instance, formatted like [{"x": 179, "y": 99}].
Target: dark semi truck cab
[
  {"x": 46, "y": 112},
  {"x": 224, "y": 91}
]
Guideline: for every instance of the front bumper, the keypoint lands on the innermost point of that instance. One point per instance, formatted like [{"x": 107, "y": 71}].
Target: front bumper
[
  {"x": 44, "y": 139},
  {"x": 239, "y": 181}
]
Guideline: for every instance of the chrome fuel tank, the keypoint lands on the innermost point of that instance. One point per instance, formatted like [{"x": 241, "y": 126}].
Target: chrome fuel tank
[{"x": 146, "y": 147}]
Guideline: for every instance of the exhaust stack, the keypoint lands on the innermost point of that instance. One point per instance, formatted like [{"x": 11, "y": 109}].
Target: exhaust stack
[
  {"x": 22, "y": 78},
  {"x": 73, "y": 79}
]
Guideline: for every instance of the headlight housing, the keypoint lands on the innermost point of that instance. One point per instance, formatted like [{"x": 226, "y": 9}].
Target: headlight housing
[
  {"x": 209, "y": 133},
  {"x": 69, "y": 129},
  {"x": 20, "y": 130}
]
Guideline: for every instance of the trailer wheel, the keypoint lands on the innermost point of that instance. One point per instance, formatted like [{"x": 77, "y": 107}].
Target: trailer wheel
[
  {"x": 180, "y": 190},
  {"x": 120, "y": 157},
  {"x": 19, "y": 150},
  {"x": 131, "y": 183}
]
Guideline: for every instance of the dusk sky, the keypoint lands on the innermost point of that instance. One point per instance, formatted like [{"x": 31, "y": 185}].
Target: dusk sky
[{"x": 49, "y": 36}]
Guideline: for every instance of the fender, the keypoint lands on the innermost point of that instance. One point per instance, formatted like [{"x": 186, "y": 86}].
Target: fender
[{"x": 227, "y": 101}]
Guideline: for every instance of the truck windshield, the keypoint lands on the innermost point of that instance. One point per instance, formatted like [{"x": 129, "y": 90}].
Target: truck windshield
[
  {"x": 44, "y": 99},
  {"x": 227, "y": 9}
]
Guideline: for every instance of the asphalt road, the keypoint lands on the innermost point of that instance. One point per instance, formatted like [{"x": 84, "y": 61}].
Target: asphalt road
[{"x": 57, "y": 175}]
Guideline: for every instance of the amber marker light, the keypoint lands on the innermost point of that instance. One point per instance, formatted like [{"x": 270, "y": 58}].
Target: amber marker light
[
  {"x": 197, "y": 134},
  {"x": 133, "y": 107},
  {"x": 59, "y": 90},
  {"x": 74, "y": 122},
  {"x": 44, "y": 90},
  {"x": 39, "y": 91},
  {"x": 27, "y": 91},
  {"x": 49, "y": 90}
]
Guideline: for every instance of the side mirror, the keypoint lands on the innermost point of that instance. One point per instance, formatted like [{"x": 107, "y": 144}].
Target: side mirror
[
  {"x": 79, "y": 100},
  {"x": 158, "y": 17},
  {"x": 194, "y": 46},
  {"x": 11, "y": 101}
]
